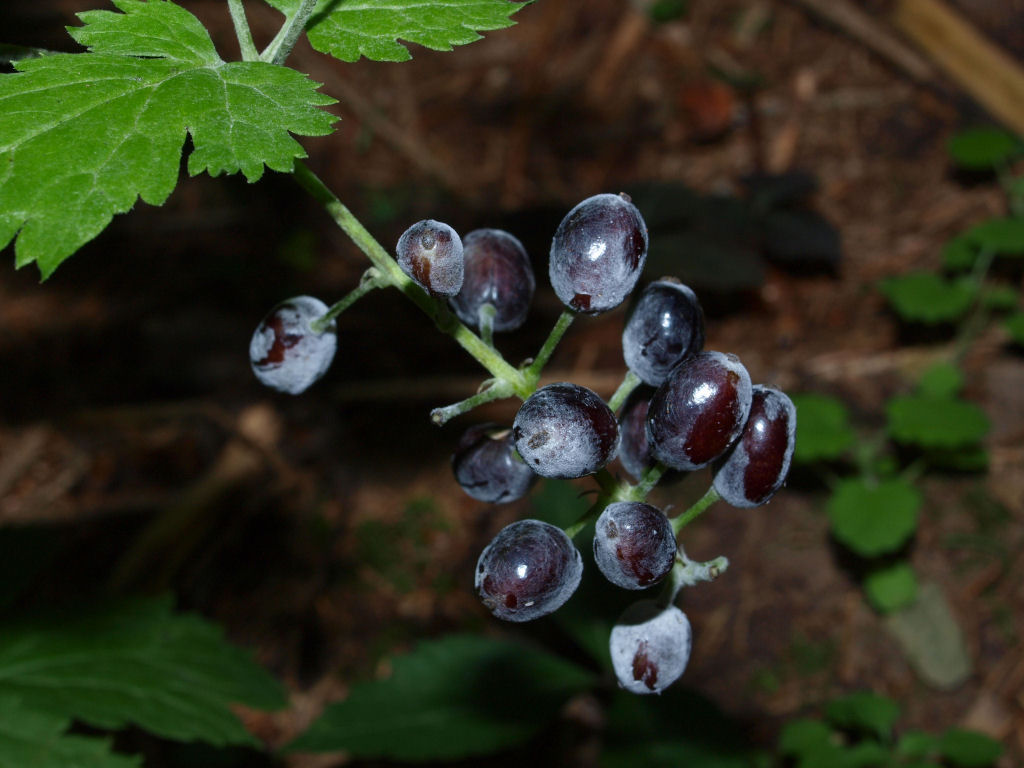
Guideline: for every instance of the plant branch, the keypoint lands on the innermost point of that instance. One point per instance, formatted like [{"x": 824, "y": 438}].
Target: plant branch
[
  {"x": 696, "y": 510},
  {"x": 371, "y": 280},
  {"x": 630, "y": 382},
  {"x": 548, "y": 348},
  {"x": 492, "y": 389},
  {"x": 281, "y": 46},
  {"x": 389, "y": 270},
  {"x": 242, "y": 31}
]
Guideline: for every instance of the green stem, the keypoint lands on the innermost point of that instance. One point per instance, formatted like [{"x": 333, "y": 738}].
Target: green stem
[
  {"x": 548, "y": 348},
  {"x": 281, "y": 46},
  {"x": 485, "y": 316},
  {"x": 630, "y": 382},
  {"x": 648, "y": 481},
  {"x": 695, "y": 511},
  {"x": 242, "y": 32},
  {"x": 591, "y": 514},
  {"x": 689, "y": 573},
  {"x": 371, "y": 281},
  {"x": 493, "y": 389},
  {"x": 389, "y": 270}
]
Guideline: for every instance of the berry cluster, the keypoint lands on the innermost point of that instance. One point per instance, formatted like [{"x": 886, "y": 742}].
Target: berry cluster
[{"x": 680, "y": 408}]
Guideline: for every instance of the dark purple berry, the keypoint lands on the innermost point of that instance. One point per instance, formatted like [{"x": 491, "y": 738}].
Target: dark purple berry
[
  {"x": 666, "y": 326},
  {"x": 499, "y": 273},
  {"x": 650, "y": 646},
  {"x": 285, "y": 353},
  {"x": 487, "y": 468},
  {"x": 699, "y": 410},
  {"x": 565, "y": 430},
  {"x": 528, "y": 570},
  {"x": 634, "y": 544},
  {"x": 634, "y": 450},
  {"x": 597, "y": 254},
  {"x": 430, "y": 252},
  {"x": 755, "y": 468}
]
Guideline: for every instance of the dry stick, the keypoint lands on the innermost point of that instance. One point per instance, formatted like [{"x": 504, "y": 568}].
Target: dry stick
[
  {"x": 865, "y": 30},
  {"x": 988, "y": 74}
]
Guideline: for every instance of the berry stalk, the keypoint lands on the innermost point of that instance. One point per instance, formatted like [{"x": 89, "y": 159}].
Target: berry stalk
[
  {"x": 371, "y": 281},
  {"x": 705, "y": 501},
  {"x": 486, "y": 355}
]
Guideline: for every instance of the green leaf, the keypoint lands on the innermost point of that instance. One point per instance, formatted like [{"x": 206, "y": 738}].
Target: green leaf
[
  {"x": 1000, "y": 297},
  {"x": 984, "y": 148},
  {"x": 802, "y": 736},
  {"x": 969, "y": 749},
  {"x": 864, "y": 712},
  {"x": 1015, "y": 325},
  {"x": 83, "y": 136},
  {"x": 960, "y": 253},
  {"x": 372, "y": 28},
  {"x": 916, "y": 744},
  {"x": 32, "y": 739},
  {"x": 1003, "y": 237},
  {"x": 935, "y": 422},
  {"x": 925, "y": 297},
  {"x": 454, "y": 697},
  {"x": 823, "y": 431},
  {"x": 876, "y": 519},
  {"x": 891, "y": 588},
  {"x": 172, "y": 674},
  {"x": 942, "y": 379}
]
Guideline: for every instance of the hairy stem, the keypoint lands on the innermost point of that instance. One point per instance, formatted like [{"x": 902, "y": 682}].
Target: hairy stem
[
  {"x": 493, "y": 389},
  {"x": 372, "y": 280},
  {"x": 705, "y": 501},
  {"x": 242, "y": 32},
  {"x": 550, "y": 343},
  {"x": 630, "y": 382},
  {"x": 281, "y": 46},
  {"x": 389, "y": 270}
]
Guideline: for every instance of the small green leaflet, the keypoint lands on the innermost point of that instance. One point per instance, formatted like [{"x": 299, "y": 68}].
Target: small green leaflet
[
  {"x": 82, "y": 136},
  {"x": 969, "y": 749},
  {"x": 172, "y": 674},
  {"x": 31, "y": 739},
  {"x": 1015, "y": 326},
  {"x": 873, "y": 519},
  {"x": 454, "y": 697},
  {"x": 823, "y": 430},
  {"x": 935, "y": 422},
  {"x": 372, "y": 28},
  {"x": 891, "y": 587},
  {"x": 984, "y": 148},
  {"x": 926, "y": 297},
  {"x": 864, "y": 712}
]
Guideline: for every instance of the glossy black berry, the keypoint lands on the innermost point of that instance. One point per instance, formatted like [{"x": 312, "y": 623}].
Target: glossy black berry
[
  {"x": 665, "y": 326},
  {"x": 634, "y": 450},
  {"x": 650, "y": 647},
  {"x": 565, "y": 430},
  {"x": 528, "y": 570},
  {"x": 285, "y": 353},
  {"x": 634, "y": 544},
  {"x": 430, "y": 252},
  {"x": 499, "y": 273},
  {"x": 486, "y": 467},
  {"x": 757, "y": 465},
  {"x": 598, "y": 253},
  {"x": 699, "y": 410}
]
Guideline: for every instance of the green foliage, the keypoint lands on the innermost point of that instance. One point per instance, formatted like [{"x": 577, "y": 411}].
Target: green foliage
[
  {"x": 373, "y": 27},
  {"x": 662, "y": 11},
  {"x": 1004, "y": 237},
  {"x": 942, "y": 380},
  {"x": 969, "y": 749},
  {"x": 891, "y": 588},
  {"x": 823, "y": 430},
  {"x": 1015, "y": 325},
  {"x": 108, "y": 126},
  {"x": 864, "y": 712},
  {"x": 449, "y": 698},
  {"x": 959, "y": 253},
  {"x": 874, "y": 518},
  {"x": 135, "y": 663},
  {"x": 858, "y": 733},
  {"x": 925, "y": 297},
  {"x": 984, "y": 148},
  {"x": 34, "y": 739},
  {"x": 935, "y": 422}
]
